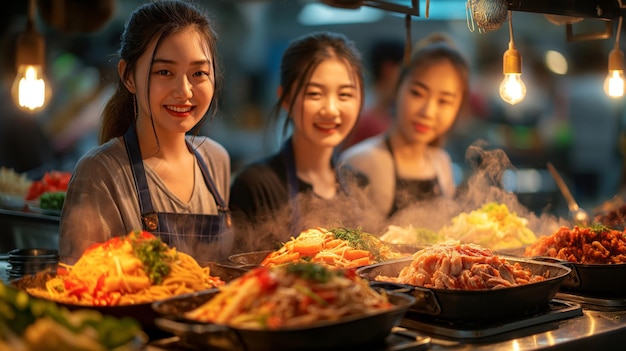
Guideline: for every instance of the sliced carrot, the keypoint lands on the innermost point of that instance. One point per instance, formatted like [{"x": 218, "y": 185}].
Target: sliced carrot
[
  {"x": 307, "y": 247},
  {"x": 331, "y": 244},
  {"x": 352, "y": 254},
  {"x": 280, "y": 259},
  {"x": 363, "y": 261}
]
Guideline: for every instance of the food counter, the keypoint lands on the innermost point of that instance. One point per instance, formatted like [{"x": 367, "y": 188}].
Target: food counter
[
  {"x": 570, "y": 322},
  {"x": 591, "y": 330}
]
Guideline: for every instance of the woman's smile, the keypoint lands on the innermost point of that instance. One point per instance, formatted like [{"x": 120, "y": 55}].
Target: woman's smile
[
  {"x": 327, "y": 127},
  {"x": 421, "y": 128},
  {"x": 179, "y": 111}
]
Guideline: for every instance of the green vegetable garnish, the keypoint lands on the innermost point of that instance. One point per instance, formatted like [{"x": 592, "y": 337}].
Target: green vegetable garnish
[
  {"x": 360, "y": 240},
  {"x": 153, "y": 255},
  {"x": 310, "y": 271},
  {"x": 598, "y": 228},
  {"x": 52, "y": 200}
]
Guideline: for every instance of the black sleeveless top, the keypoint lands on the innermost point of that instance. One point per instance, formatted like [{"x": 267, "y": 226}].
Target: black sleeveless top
[{"x": 410, "y": 191}]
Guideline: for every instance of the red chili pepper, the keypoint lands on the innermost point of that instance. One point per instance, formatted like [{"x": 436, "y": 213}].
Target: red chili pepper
[
  {"x": 99, "y": 284},
  {"x": 74, "y": 289}
]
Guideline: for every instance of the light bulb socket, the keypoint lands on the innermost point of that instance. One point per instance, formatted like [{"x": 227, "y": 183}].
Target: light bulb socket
[
  {"x": 511, "y": 61},
  {"x": 30, "y": 49},
  {"x": 616, "y": 60}
]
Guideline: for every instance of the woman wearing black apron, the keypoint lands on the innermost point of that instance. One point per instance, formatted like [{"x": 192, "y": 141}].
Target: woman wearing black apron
[
  {"x": 408, "y": 167},
  {"x": 149, "y": 173},
  {"x": 299, "y": 187}
]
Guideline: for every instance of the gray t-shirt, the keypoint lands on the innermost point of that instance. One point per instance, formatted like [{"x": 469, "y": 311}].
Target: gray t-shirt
[{"x": 102, "y": 203}]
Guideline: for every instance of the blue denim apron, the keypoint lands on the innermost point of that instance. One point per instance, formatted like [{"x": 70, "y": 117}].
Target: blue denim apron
[{"x": 205, "y": 237}]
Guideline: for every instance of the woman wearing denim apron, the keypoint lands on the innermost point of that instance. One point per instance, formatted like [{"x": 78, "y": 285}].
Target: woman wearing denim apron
[{"x": 151, "y": 172}]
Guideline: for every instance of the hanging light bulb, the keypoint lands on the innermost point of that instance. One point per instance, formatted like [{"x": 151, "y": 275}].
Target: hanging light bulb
[
  {"x": 614, "y": 82},
  {"x": 512, "y": 88},
  {"x": 30, "y": 90}
]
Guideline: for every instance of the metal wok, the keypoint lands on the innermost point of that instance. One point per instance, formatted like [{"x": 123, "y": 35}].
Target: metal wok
[
  {"x": 475, "y": 305},
  {"x": 248, "y": 260},
  {"x": 597, "y": 280},
  {"x": 349, "y": 332}
]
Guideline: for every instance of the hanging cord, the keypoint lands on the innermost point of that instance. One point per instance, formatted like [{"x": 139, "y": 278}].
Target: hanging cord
[
  {"x": 619, "y": 31},
  {"x": 511, "y": 42},
  {"x": 408, "y": 42},
  {"x": 30, "y": 20}
]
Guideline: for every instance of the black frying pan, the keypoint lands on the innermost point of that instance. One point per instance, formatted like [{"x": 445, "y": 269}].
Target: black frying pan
[
  {"x": 596, "y": 280},
  {"x": 346, "y": 333},
  {"x": 475, "y": 305}
]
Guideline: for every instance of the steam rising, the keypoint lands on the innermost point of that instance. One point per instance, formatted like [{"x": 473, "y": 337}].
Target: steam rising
[{"x": 483, "y": 186}]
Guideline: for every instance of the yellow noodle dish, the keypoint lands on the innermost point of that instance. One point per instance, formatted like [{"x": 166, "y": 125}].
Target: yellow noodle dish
[{"x": 125, "y": 270}]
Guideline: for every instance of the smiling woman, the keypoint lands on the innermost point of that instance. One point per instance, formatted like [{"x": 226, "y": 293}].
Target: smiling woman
[
  {"x": 148, "y": 174},
  {"x": 408, "y": 164},
  {"x": 321, "y": 95}
]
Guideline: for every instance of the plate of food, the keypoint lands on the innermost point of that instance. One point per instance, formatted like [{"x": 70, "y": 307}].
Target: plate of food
[
  {"x": 596, "y": 254},
  {"x": 294, "y": 306},
  {"x": 337, "y": 247},
  {"x": 122, "y": 277},
  {"x": 455, "y": 281},
  {"x": 13, "y": 188}
]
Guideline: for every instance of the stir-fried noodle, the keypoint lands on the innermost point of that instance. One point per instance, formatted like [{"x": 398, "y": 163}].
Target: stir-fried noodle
[{"x": 291, "y": 295}]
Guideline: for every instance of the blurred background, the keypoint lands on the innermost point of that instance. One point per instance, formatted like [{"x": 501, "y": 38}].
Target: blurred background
[{"x": 566, "y": 118}]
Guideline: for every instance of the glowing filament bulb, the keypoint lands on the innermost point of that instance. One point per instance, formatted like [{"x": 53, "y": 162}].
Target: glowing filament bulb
[
  {"x": 31, "y": 88},
  {"x": 512, "y": 88},
  {"x": 614, "y": 82}
]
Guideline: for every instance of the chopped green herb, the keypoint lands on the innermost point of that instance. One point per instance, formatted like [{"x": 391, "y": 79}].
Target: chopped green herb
[
  {"x": 153, "y": 254},
  {"x": 360, "y": 240}
]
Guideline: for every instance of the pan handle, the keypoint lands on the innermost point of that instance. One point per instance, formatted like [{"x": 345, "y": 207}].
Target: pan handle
[
  {"x": 425, "y": 299},
  {"x": 573, "y": 279}
]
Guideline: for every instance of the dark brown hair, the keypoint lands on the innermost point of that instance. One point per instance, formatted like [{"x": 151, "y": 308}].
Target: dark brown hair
[
  {"x": 158, "y": 19},
  {"x": 433, "y": 49},
  {"x": 302, "y": 57}
]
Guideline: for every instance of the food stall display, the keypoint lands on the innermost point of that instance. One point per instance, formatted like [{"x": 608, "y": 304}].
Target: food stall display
[
  {"x": 13, "y": 183},
  {"x": 133, "y": 269},
  {"x": 456, "y": 281},
  {"x": 597, "y": 255},
  {"x": 292, "y": 306},
  {"x": 337, "y": 247},
  {"x": 492, "y": 225}
]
